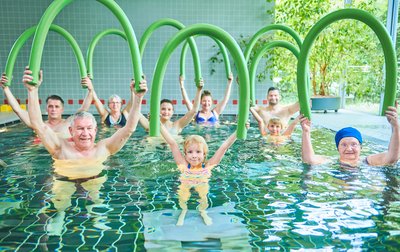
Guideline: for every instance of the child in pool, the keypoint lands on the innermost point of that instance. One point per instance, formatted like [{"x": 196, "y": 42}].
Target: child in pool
[
  {"x": 275, "y": 127},
  {"x": 195, "y": 169}
]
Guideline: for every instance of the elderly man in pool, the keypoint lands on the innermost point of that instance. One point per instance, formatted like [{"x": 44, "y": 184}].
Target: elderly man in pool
[
  {"x": 83, "y": 129},
  {"x": 348, "y": 143}
]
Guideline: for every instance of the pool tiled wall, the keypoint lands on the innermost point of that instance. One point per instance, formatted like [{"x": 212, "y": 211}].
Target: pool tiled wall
[{"x": 112, "y": 63}]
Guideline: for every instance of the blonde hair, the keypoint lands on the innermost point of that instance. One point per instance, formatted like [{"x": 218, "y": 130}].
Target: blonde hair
[
  {"x": 195, "y": 139},
  {"x": 275, "y": 120}
]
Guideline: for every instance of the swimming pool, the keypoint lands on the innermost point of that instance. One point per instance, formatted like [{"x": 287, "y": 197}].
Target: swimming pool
[{"x": 261, "y": 197}]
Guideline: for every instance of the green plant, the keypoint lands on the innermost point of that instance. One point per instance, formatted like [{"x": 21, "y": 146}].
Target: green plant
[{"x": 343, "y": 44}]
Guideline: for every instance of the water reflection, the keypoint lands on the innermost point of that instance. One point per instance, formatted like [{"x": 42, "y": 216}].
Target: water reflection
[{"x": 85, "y": 178}]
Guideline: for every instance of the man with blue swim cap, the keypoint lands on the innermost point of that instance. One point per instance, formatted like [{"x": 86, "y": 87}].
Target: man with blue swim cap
[{"x": 348, "y": 143}]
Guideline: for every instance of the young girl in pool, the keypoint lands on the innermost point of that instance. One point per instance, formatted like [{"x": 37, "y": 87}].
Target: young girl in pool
[
  {"x": 275, "y": 134},
  {"x": 195, "y": 169}
]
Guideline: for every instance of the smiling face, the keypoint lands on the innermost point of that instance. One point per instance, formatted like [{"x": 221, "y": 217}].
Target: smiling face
[
  {"x": 349, "y": 150},
  {"x": 274, "y": 129},
  {"x": 194, "y": 154},
  {"x": 115, "y": 103},
  {"x": 273, "y": 97},
  {"x": 83, "y": 132},
  {"x": 166, "y": 111},
  {"x": 54, "y": 108},
  {"x": 206, "y": 103},
  {"x": 195, "y": 149}
]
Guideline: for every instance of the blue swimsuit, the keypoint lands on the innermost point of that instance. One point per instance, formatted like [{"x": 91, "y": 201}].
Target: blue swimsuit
[
  {"x": 212, "y": 120},
  {"x": 121, "y": 121}
]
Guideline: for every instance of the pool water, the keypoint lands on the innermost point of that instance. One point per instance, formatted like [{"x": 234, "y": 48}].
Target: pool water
[{"x": 261, "y": 197}]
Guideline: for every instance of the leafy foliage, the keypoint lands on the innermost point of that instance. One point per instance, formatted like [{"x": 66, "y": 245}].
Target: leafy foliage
[{"x": 338, "y": 53}]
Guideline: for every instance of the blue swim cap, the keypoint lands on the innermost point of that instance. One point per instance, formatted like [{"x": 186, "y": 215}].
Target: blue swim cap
[{"x": 347, "y": 132}]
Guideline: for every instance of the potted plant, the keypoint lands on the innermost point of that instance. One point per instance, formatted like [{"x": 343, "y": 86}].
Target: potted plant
[
  {"x": 325, "y": 93},
  {"x": 342, "y": 44}
]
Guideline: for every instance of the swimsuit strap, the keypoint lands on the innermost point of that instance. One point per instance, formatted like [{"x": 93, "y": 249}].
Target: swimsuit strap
[{"x": 203, "y": 165}]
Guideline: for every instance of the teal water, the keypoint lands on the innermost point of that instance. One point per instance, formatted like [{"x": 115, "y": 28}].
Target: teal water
[{"x": 261, "y": 197}]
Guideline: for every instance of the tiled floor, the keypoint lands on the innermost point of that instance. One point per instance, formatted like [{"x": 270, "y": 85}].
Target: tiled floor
[
  {"x": 7, "y": 118},
  {"x": 372, "y": 127}
]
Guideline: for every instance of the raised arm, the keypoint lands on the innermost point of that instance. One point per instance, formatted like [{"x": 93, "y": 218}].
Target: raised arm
[
  {"x": 393, "y": 153},
  {"x": 12, "y": 101},
  {"x": 307, "y": 152},
  {"x": 293, "y": 108},
  {"x": 219, "y": 154},
  {"x": 45, "y": 133},
  {"x": 99, "y": 106},
  {"x": 289, "y": 130},
  {"x": 128, "y": 106},
  {"x": 261, "y": 124},
  {"x": 185, "y": 96},
  {"x": 119, "y": 138},
  {"x": 144, "y": 122},
  {"x": 188, "y": 117},
  {"x": 87, "y": 82},
  {"x": 222, "y": 104},
  {"x": 173, "y": 145}
]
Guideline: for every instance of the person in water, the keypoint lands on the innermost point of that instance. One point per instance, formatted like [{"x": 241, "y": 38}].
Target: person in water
[
  {"x": 349, "y": 144},
  {"x": 275, "y": 109},
  {"x": 274, "y": 132},
  {"x": 83, "y": 129},
  {"x": 207, "y": 115},
  {"x": 195, "y": 169},
  {"x": 114, "y": 116},
  {"x": 54, "y": 106},
  {"x": 167, "y": 112}
]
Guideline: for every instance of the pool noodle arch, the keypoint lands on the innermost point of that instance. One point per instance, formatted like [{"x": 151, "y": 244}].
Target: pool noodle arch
[
  {"x": 384, "y": 38},
  {"x": 237, "y": 55},
  {"x": 266, "y": 29},
  {"x": 224, "y": 55},
  {"x": 259, "y": 55},
  {"x": 20, "y": 42},
  {"x": 178, "y": 25},
  {"x": 93, "y": 44},
  {"x": 54, "y": 9}
]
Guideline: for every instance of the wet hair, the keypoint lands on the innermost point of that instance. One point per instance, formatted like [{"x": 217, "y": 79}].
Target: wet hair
[
  {"x": 55, "y": 97},
  {"x": 275, "y": 120},
  {"x": 272, "y": 89},
  {"x": 196, "y": 139},
  {"x": 114, "y": 96},
  {"x": 166, "y": 101},
  {"x": 81, "y": 115},
  {"x": 205, "y": 93}
]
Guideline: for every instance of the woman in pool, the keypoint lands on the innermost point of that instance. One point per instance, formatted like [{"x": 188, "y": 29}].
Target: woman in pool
[
  {"x": 115, "y": 116},
  {"x": 195, "y": 169},
  {"x": 207, "y": 115},
  {"x": 348, "y": 143},
  {"x": 167, "y": 111}
]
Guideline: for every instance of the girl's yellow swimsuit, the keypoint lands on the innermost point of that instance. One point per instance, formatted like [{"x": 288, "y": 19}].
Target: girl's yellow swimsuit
[{"x": 195, "y": 176}]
